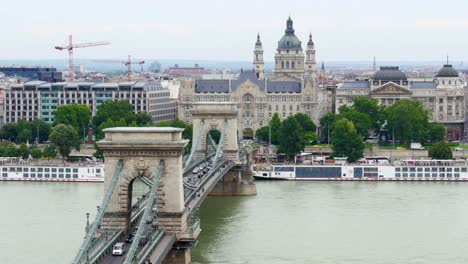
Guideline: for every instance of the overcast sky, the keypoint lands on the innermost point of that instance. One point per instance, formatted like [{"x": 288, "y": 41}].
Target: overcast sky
[{"x": 353, "y": 30}]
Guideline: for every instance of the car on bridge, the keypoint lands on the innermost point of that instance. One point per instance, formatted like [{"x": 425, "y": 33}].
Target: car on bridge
[{"x": 118, "y": 249}]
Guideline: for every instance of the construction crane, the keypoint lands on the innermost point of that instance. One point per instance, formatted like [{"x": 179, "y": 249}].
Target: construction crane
[
  {"x": 127, "y": 63},
  {"x": 70, "y": 49}
]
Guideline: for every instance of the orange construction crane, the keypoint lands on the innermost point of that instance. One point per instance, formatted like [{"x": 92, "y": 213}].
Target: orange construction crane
[
  {"x": 70, "y": 49},
  {"x": 127, "y": 63}
]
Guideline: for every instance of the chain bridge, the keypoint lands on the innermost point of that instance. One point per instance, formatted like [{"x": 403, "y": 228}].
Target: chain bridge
[{"x": 164, "y": 223}]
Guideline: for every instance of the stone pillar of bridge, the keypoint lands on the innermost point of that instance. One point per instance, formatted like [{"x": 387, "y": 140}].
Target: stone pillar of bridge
[
  {"x": 141, "y": 149},
  {"x": 213, "y": 116}
]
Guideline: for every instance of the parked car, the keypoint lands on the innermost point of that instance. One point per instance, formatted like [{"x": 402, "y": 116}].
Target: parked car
[
  {"x": 119, "y": 249},
  {"x": 459, "y": 149}
]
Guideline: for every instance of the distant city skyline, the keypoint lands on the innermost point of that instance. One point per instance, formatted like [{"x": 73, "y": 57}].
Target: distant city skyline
[{"x": 216, "y": 30}]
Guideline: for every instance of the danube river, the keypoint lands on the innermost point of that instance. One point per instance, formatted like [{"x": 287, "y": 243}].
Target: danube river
[{"x": 287, "y": 222}]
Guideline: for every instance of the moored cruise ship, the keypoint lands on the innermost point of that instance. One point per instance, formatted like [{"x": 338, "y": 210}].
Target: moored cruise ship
[
  {"x": 70, "y": 172},
  {"x": 406, "y": 170}
]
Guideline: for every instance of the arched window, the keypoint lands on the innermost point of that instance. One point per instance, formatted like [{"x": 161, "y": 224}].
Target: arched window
[
  {"x": 282, "y": 65},
  {"x": 292, "y": 65},
  {"x": 248, "y": 98},
  {"x": 287, "y": 65}
]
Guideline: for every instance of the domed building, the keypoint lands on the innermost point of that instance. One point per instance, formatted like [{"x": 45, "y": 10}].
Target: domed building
[
  {"x": 289, "y": 90},
  {"x": 443, "y": 96}
]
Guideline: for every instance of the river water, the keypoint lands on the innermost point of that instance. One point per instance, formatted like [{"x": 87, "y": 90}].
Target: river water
[{"x": 287, "y": 222}]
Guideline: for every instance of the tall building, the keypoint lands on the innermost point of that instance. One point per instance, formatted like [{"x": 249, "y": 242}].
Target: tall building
[
  {"x": 39, "y": 100},
  {"x": 443, "y": 96},
  {"x": 33, "y": 73},
  {"x": 289, "y": 90}
]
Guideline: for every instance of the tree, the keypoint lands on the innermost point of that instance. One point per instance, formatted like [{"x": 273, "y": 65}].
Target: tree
[
  {"x": 263, "y": 134},
  {"x": 78, "y": 116},
  {"x": 114, "y": 110},
  {"x": 144, "y": 119},
  {"x": 8, "y": 132},
  {"x": 43, "y": 128},
  {"x": 440, "y": 150},
  {"x": 291, "y": 139},
  {"x": 370, "y": 107},
  {"x": 305, "y": 122},
  {"x": 436, "y": 132},
  {"x": 23, "y": 151},
  {"x": 275, "y": 124},
  {"x": 326, "y": 123},
  {"x": 408, "y": 120},
  {"x": 346, "y": 142},
  {"x": 50, "y": 152},
  {"x": 36, "y": 153},
  {"x": 65, "y": 138},
  {"x": 25, "y": 135},
  {"x": 362, "y": 122}
]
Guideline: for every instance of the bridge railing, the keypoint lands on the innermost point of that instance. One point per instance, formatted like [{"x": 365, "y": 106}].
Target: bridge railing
[{"x": 82, "y": 252}]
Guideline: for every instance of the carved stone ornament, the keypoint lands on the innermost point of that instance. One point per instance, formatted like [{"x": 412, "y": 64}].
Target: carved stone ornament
[{"x": 141, "y": 168}]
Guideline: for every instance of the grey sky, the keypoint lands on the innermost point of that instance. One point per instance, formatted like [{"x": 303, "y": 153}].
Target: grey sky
[{"x": 226, "y": 30}]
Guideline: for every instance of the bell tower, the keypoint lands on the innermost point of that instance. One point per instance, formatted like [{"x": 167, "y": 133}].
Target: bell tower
[
  {"x": 258, "y": 63},
  {"x": 310, "y": 63}
]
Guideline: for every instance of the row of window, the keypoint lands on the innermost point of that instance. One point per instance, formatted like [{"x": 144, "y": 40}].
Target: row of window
[
  {"x": 46, "y": 175},
  {"x": 430, "y": 169},
  {"x": 427, "y": 175},
  {"x": 20, "y": 169}
]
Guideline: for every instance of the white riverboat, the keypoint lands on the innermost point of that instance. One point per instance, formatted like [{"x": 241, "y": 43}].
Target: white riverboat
[
  {"x": 19, "y": 170},
  {"x": 405, "y": 170}
]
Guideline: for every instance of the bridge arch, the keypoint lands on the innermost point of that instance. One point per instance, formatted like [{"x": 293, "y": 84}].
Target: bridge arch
[{"x": 215, "y": 116}]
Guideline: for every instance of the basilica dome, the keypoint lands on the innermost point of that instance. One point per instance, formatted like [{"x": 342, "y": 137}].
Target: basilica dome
[
  {"x": 447, "y": 71},
  {"x": 389, "y": 74},
  {"x": 289, "y": 41}
]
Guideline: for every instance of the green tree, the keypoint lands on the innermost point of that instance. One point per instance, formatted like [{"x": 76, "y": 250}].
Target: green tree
[
  {"x": 263, "y": 134},
  {"x": 436, "y": 132},
  {"x": 370, "y": 107},
  {"x": 409, "y": 121},
  {"x": 326, "y": 123},
  {"x": 36, "y": 153},
  {"x": 275, "y": 124},
  {"x": 215, "y": 135},
  {"x": 50, "y": 152},
  {"x": 114, "y": 110},
  {"x": 346, "y": 142},
  {"x": 305, "y": 122},
  {"x": 143, "y": 119},
  {"x": 362, "y": 122},
  {"x": 291, "y": 139},
  {"x": 23, "y": 151},
  {"x": 8, "y": 132},
  {"x": 25, "y": 135},
  {"x": 78, "y": 116},
  {"x": 42, "y": 127},
  {"x": 11, "y": 151},
  {"x": 65, "y": 138},
  {"x": 440, "y": 150}
]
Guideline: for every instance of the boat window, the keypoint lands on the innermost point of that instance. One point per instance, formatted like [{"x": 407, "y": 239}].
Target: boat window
[
  {"x": 405, "y": 174},
  {"x": 75, "y": 176},
  {"x": 412, "y": 169},
  {"x": 47, "y": 175},
  {"x": 54, "y": 175},
  {"x": 427, "y": 175},
  {"x": 33, "y": 175},
  {"x": 47, "y": 170},
  {"x": 75, "y": 170},
  {"x": 449, "y": 169},
  {"x": 61, "y": 175},
  {"x": 457, "y": 169},
  {"x": 99, "y": 170},
  {"x": 68, "y": 176},
  {"x": 434, "y": 169},
  {"x": 39, "y": 169},
  {"x": 33, "y": 169},
  {"x": 442, "y": 175},
  {"x": 5, "y": 174},
  {"x": 68, "y": 170},
  {"x": 420, "y": 174},
  {"x": 434, "y": 175},
  {"x": 39, "y": 175},
  {"x": 427, "y": 169},
  {"x": 288, "y": 169},
  {"x": 449, "y": 175},
  {"x": 54, "y": 169},
  {"x": 463, "y": 169},
  {"x": 420, "y": 169},
  {"x": 457, "y": 175},
  {"x": 25, "y": 169},
  {"x": 412, "y": 175},
  {"x": 4, "y": 169},
  {"x": 397, "y": 169},
  {"x": 405, "y": 169},
  {"x": 397, "y": 174},
  {"x": 12, "y": 169},
  {"x": 19, "y": 169},
  {"x": 61, "y": 170},
  {"x": 442, "y": 169}
]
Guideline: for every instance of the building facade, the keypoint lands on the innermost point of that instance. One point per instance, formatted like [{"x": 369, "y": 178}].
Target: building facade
[
  {"x": 39, "y": 100},
  {"x": 289, "y": 90},
  {"x": 443, "y": 96}
]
